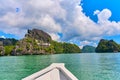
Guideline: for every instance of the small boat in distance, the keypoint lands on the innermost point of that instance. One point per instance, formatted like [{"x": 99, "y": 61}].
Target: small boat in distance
[{"x": 55, "y": 71}]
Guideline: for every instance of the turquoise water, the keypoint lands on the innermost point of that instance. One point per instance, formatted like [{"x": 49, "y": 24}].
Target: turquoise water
[{"x": 83, "y": 66}]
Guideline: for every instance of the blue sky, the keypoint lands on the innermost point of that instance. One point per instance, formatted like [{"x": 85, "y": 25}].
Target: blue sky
[{"x": 83, "y": 22}]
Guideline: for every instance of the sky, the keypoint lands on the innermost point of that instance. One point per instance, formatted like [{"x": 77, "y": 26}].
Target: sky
[{"x": 83, "y": 22}]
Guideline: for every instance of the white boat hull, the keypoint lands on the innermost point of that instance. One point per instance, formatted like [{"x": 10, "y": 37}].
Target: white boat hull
[{"x": 55, "y": 71}]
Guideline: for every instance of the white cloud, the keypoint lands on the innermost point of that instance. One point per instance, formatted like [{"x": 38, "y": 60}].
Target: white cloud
[
  {"x": 96, "y": 12},
  {"x": 2, "y": 37},
  {"x": 55, "y": 16},
  {"x": 55, "y": 36},
  {"x": 49, "y": 23},
  {"x": 83, "y": 28},
  {"x": 85, "y": 43},
  {"x": 104, "y": 15},
  {"x": 80, "y": 26},
  {"x": 32, "y": 14},
  {"x": 107, "y": 27}
]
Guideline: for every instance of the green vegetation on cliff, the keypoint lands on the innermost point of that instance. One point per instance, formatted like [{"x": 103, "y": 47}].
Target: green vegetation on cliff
[
  {"x": 70, "y": 48},
  {"x": 7, "y": 45},
  {"x": 107, "y": 46},
  {"x": 59, "y": 47},
  {"x": 8, "y": 49}
]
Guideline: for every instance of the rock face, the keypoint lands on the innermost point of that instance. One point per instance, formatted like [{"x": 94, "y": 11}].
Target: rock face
[
  {"x": 88, "y": 49},
  {"x": 107, "y": 46},
  {"x": 35, "y": 42},
  {"x": 38, "y": 35},
  {"x": 1, "y": 48}
]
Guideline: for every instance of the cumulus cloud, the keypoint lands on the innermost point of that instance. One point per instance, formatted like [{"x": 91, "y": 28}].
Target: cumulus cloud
[
  {"x": 107, "y": 27},
  {"x": 55, "y": 36},
  {"x": 31, "y": 14},
  {"x": 104, "y": 15},
  {"x": 96, "y": 12},
  {"x": 55, "y": 16},
  {"x": 2, "y": 37}
]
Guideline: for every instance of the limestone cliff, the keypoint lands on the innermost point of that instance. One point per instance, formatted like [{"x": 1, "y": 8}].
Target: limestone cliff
[
  {"x": 35, "y": 42},
  {"x": 38, "y": 35}
]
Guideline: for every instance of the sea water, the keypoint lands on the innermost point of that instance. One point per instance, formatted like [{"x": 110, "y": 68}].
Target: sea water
[{"x": 90, "y": 66}]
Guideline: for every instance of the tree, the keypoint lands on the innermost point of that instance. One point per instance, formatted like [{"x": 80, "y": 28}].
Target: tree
[
  {"x": 70, "y": 48},
  {"x": 58, "y": 46},
  {"x": 8, "y": 49}
]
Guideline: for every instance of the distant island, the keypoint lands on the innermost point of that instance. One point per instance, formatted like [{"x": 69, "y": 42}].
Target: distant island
[
  {"x": 35, "y": 42},
  {"x": 88, "y": 49},
  {"x": 105, "y": 46}
]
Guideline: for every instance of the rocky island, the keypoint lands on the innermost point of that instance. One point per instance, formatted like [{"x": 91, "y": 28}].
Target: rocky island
[
  {"x": 36, "y": 42},
  {"x": 105, "y": 46},
  {"x": 88, "y": 49}
]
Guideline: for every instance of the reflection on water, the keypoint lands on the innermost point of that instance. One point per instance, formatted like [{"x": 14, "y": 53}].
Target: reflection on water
[{"x": 83, "y": 66}]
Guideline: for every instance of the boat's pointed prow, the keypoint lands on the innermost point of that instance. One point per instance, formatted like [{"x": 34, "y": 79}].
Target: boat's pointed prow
[{"x": 55, "y": 71}]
